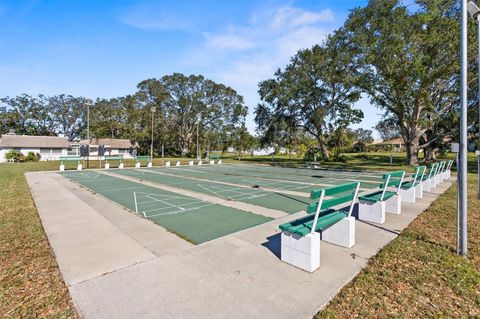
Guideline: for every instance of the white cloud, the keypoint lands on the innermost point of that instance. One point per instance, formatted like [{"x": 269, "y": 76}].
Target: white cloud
[
  {"x": 155, "y": 17},
  {"x": 227, "y": 41},
  {"x": 290, "y": 17}
]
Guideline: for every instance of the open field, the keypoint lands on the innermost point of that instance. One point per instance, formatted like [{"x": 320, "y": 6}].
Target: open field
[{"x": 31, "y": 285}]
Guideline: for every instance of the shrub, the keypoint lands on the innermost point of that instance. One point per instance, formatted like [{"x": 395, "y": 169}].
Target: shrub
[
  {"x": 31, "y": 157},
  {"x": 14, "y": 155}
]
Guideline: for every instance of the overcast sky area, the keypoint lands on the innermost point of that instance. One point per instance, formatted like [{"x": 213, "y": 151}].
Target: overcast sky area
[{"x": 104, "y": 48}]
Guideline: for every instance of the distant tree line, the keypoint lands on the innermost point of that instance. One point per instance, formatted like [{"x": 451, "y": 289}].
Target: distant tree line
[
  {"x": 180, "y": 103},
  {"x": 405, "y": 58}
]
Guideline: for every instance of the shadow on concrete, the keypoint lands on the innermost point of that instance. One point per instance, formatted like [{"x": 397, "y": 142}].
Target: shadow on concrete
[{"x": 273, "y": 244}]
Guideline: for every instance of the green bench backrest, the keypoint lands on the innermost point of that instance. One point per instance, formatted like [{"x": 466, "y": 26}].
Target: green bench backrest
[
  {"x": 432, "y": 170},
  {"x": 142, "y": 157},
  {"x": 330, "y": 191},
  {"x": 70, "y": 158},
  {"x": 395, "y": 179},
  {"x": 113, "y": 158}
]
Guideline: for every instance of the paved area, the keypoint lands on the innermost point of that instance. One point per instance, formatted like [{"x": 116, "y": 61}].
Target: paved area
[{"x": 110, "y": 274}]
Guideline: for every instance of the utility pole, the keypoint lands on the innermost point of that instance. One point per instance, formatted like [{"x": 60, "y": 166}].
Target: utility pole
[
  {"x": 199, "y": 118},
  {"x": 153, "y": 109},
  {"x": 474, "y": 12},
  {"x": 462, "y": 169}
]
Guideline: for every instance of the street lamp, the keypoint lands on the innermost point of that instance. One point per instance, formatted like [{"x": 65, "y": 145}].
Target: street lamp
[
  {"x": 199, "y": 119},
  {"x": 88, "y": 103},
  {"x": 153, "y": 110},
  {"x": 474, "y": 12},
  {"x": 462, "y": 168}
]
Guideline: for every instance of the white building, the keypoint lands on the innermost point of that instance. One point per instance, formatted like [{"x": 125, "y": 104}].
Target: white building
[
  {"x": 48, "y": 147},
  {"x": 113, "y": 147}
]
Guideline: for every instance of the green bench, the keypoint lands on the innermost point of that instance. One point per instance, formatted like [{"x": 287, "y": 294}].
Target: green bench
[
  {"x": 448, "y": 170},
  {"x": 140, "y": 158},
  {"x": 215, "y": 156},
  {"x": 64, "y": 159},
  {"x": 336, "y": 225},
  {"x": 428, "y": 178},
  {"x": 113, "y": 158},
  {"x": 412, "y": 189},
  {"x": 372, "y": 207}
]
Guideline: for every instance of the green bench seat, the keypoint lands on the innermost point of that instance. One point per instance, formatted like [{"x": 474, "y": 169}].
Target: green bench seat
[
  {"x": 376, "y": 197},
  {"x": 303, "y": 226}
]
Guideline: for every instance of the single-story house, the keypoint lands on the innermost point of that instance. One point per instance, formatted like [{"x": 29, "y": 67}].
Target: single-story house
[
  {"x": 397, "y": 143},
  {"x": 112, "y": 146},
  {"x": 48, "y": 147}
]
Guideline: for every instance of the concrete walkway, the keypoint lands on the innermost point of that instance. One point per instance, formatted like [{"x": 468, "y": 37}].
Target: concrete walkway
[{"x": 112, "y": 274}]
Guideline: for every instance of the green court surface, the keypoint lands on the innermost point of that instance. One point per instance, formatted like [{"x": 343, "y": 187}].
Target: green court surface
[
  {"x": 282, "y": 202},
  {"x": 296, "y": 179},
  {"x": 190, "y": 218}
]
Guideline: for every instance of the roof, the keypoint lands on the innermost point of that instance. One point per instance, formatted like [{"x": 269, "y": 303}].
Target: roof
[
  {"x": 33, "y": 141},
  {"x": 112, "y": 142},
  {"x": 395, "y": 141}
]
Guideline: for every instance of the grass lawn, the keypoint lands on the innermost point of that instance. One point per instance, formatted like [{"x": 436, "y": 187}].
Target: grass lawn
[
  {"x": 30, "y": 283},
  {"x": 417, "y": 274}
]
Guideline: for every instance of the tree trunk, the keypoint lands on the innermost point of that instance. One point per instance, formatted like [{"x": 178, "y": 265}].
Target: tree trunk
[
  {"x": 411, "y": 146},
  {"x": 324, "y": 149},
  {"x": 430, "y": 154}
]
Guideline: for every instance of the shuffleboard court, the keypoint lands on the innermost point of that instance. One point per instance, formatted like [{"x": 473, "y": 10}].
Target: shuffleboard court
[
  {"x": 282, "y": 202},
  {"x": 190, "y": 218},
  {"x": 298, "y": 179}
]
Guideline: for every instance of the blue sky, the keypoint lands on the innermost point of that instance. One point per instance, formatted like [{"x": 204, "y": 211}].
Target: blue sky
[{"x": 104, "y": 48}]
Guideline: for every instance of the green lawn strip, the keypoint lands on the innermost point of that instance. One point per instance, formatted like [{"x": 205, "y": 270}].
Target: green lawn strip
[
  {"x": 197, "y": 222},
  {"x": 278, "y": 201},
  {"x": 418, "y": 274},
  {"x": 31, "y": 285}
]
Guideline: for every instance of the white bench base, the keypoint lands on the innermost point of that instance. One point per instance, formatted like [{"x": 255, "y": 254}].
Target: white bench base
[
  {"x": 62, "y": 168},
  {"x": 199, "y": 163},
  {"x": 371, "y": 212},
  {"x": 419, "y": 190},
  {"x": 408, "y": 195},
  {"x": 167, "y": 164},
  {"x": 149, "y": 165},
  {"x": 137, "y": 165},
  {"x": 427, "y": 185},
  {"x": 219, "y": 162},
  {"x": 107, "y": 165},
  {"x": 393, "y": 205},
  {"x": 121, "y": 166},
  {"x": 212, "y": 162},
  {"x": 177, "y": 163},
  {"x": 79, "y": 167},
  {"x": 341, "y": 233},
  {"x": 302, "y": 252}
]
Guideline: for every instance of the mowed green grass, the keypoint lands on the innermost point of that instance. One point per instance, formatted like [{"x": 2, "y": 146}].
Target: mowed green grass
[
  {"x": 418, "y": 275},
  {"x": 30, "y": 283}
]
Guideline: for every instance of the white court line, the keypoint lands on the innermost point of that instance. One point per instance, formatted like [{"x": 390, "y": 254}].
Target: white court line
[{"x": 178, "y": 211}]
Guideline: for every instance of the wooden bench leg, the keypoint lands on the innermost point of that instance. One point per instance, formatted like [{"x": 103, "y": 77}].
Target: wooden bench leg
[
  {"x": 408, "y": 195},
  {"x": 371, "y": 212},
  {"x": 341, "y": 233},
  {"x": 301, "y": 251},
  {"x": 393, "y": 205}
]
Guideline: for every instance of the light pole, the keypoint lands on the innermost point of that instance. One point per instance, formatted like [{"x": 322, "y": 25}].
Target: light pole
[
  {"x": 88, "y": 103},
  {"x": 153, "y": 110},
  {"x": 199, "y": 118},
  {"x": 462, "y": 169},
  {"x": 474, "y": 12}
]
